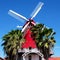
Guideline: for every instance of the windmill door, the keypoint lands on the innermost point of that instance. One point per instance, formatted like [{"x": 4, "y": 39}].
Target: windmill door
[{"x": 35, "y": 57}]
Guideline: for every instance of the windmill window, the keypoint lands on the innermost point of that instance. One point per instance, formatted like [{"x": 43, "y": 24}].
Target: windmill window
[{"x": 30, "y": 48}]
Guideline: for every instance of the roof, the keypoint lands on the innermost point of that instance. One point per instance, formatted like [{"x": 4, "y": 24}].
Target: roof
[{"x": 54, "y": 58}]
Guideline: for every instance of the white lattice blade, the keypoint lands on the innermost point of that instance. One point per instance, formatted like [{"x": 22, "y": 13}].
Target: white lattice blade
[
  {"x": 16, "y": 15},
  {"x": 25, "y": 27},
  {"x": 37, "y": 9}
]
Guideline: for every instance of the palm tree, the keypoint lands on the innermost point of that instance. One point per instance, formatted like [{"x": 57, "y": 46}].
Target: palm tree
[
  {"x": 44, "y": 38},
  {"x": 12, "y": 42}
]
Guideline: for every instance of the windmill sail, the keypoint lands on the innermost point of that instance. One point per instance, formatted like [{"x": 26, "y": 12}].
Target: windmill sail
[
  {"x": 16, "y": 15},
  {"x": 37, "y": 9}
]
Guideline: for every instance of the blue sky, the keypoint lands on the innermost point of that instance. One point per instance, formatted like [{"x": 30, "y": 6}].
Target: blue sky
[{"x": 49, "y": 15}]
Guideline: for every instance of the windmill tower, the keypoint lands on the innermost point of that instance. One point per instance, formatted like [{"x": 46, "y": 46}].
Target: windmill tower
[{"x": 29, "y": 49}]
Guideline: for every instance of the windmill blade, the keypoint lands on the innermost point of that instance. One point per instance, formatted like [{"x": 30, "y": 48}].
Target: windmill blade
[
  {"x": 37, "y": 9},
  {"x": 25, "y": 27},
  {"x": 16, "y": 15}
]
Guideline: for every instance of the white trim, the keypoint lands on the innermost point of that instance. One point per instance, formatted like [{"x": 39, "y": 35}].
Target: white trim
[
  {"x": 27, "y": 51},
  {"x": 35, "y": 50}
]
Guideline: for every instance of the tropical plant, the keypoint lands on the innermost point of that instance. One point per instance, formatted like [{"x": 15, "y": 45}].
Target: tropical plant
[
  {"x": 44, "y": 38},
  {"x": 12, "y": 42}
]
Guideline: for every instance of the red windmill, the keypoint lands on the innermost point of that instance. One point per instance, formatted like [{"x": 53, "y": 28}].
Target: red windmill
[
  {"x": 29, "y": 43},
  {"x": 29, "y": 40},
  {"x": 26, "y": 28}
]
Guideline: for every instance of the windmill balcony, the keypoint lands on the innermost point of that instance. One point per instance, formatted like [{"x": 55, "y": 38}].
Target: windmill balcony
[{"x": 30, "y": 54}]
